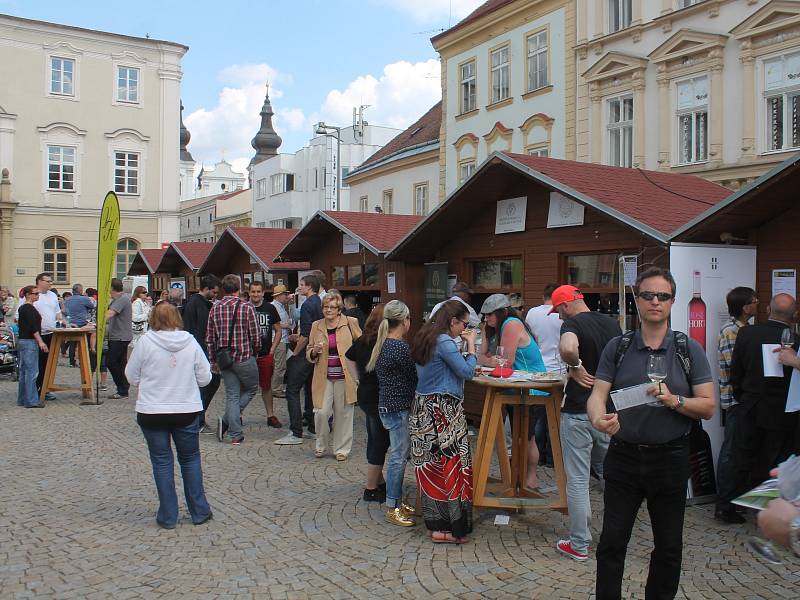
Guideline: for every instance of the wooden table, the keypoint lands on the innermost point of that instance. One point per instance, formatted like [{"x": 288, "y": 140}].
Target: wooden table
[
  {"x": 510, "y": 490},
  {"x": 79, "y": 335}
]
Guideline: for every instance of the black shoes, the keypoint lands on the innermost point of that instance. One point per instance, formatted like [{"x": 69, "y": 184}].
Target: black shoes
[
  {"x": 376, "y": 495},
  {"x": 207, "y": 519},
  {"x": 729, "y": 514}
]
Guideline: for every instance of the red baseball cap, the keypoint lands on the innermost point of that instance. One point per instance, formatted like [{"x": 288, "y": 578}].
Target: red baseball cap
[{"x": 564, "y": 293}]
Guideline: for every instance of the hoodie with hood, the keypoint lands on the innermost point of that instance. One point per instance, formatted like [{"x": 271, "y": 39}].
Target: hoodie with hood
[{"x": 170, "y": 368}]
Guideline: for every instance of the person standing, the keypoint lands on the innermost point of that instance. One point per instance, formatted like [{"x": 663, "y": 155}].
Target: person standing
[
  {"x": 7, "y": 304},
  {"x": 351, "y": 309},
  {"x": 270, "y": 327},
  {"x": 298, "y": 368},
  {"x": 584, "y": 335},
  {"x": 461, "y": 293},
  {"x": 77, "y": 308},
  {"x": 280, "y": 300},
  {"x": 648, "y": 456},
  {"x": 49, "y": 308},
  {"x": 168, "y": 365},
  {"x": 140, "y": 313},
  {"x": 742, "y": 305},
  {"x": 29, "y": 345},
  {"x": 333, "y": 387},
  {"x": 195, "y": 321},
  {"x": 440, "y": 450},
  {"x": 397, "y": 381},
  {"x": 119, "y": 333},
  {"x": 233, "y": 326}
]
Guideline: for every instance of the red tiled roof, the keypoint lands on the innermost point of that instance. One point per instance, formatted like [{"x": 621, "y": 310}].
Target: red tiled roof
[
  {"x": 380, "y": 231},
  {"x": 426, "y": 129},
  {"x": 662, "y": 201},
  {"x": 194, "y": 252},
  {"x": 483, "y": 10},
  {"x": 265, "y": 244},
  {"x": 152, "y": 257}
]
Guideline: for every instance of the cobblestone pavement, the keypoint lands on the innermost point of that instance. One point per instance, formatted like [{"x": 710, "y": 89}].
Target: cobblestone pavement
[{"x": 77, "y": 507}]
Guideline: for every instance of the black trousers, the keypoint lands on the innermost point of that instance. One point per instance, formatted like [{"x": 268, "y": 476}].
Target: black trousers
[
  {"x": 298, "y": 370},
  {"x": 47, "y": 339},
  {"x": 207, "y": 394},
  {"x": 659, "y": 475},
  {"x": 726, "y": 475},
  {"x": 116, "y": 363}
]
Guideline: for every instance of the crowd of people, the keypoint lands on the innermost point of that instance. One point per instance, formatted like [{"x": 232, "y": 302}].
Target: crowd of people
[{"x": 411, "y": 392}]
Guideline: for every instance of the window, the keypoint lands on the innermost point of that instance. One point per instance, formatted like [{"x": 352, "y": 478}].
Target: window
[
  {"x": 127, "y": 84},
  {"x": 693, "y": 120},
  {"x": 337, "y": 277},
  {"x": 363, "y": 204},
  {"x": 371, "y": 274},
  {"x": 468, "y": 87},
  {"x": 782, "y": 93},
  {"x": 421, "y": 199},
  {"x": 316, "y": 178},
  {"x": 620, "y": 131},
  {"x": 126, "y": 252},
  {"x": 539, "y": 151},
  {"x": 209, "y": 218},
  {"x": 388, "y": 202},
  {"x": 56, "y": 259},
  {"x": 687, "y": 3},
  {"x": 198, "y": 220},
  {"x": 261, "y": 188},
  {"x": 465, "y": 169},
  {"x": 61, "y": 168},
  {"x": 593, "y": 271},
  {"x": 188, "y": 224},
  {"x": 281, "y": 182},
  {"x": 499, "y": 62},
  {"x": 62, "y": 76},
  {"x": 354, "y": 275},
  {"x": 537, "y": 60},
  {"x": 345, "y": 173},
  {"x": 619, "y": 14},
  {"x": 497, "y": 274},
  {"x": 126, "y": 172}
]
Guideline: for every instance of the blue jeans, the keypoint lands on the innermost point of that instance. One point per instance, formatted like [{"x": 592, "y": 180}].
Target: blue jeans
[
  {"x": 187, "y": 446},
  {"x": 396, "y": 423},
  {"x": 241, "y": 384},
  {"x": 28, "y": 355},
  {"x": 583, "y": 447}
]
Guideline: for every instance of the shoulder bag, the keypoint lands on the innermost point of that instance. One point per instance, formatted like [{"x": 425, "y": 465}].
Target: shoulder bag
[{"x": 224, "y": 356}]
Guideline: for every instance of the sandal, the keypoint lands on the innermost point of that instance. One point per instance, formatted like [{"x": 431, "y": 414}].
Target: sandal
[
  {"x": 445, "y": 537},
  {"x": 319, "y": 453},
  {"x": 341, "y": 457}
]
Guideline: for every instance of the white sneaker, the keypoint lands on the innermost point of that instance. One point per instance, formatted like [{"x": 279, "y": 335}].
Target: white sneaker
[{"x": 289, "y": 440}]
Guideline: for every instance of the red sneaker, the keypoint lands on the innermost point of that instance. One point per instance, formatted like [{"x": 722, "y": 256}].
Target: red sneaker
[
  {"x": 565, "y": 547},
  {"x": 273, "y": 422}
]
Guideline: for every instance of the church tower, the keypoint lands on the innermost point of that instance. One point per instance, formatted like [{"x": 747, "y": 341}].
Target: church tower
[
  {"x": 186, "y": 164},
  {"x": 266, "y": 142}
]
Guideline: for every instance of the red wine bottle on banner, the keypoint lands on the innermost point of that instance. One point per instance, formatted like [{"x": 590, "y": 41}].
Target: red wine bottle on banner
[{"x": 697, "y": 314}]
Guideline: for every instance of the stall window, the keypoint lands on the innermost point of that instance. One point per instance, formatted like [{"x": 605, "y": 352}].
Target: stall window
[
  {"x": 337, "y": 277},
  {"x": 371, "y": 274},
  {"x": 593, "y": 271},
  {"x": 354, "y": 275},
  {"x": 497, "y": 273}
]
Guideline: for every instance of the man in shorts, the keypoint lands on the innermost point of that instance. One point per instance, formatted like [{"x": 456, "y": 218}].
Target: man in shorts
[{"x": 269, "y": 323}]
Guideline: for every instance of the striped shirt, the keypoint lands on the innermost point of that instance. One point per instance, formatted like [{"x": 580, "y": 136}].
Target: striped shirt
[
  {"x": 246, "y": 339},
  {"x": 725, "y": 344},
  {"x": 335, "y": 370}
]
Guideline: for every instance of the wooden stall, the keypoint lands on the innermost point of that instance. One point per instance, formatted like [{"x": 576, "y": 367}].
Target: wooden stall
[
  {"x": 350, "y": 248},
  {"x": 181, "y": 260},
  {"x": 145, "y": 263},
  {"x": 566, "y": 222},
  {"x": 250, "y": 253}
]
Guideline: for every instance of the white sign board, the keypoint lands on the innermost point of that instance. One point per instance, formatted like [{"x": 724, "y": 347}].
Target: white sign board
[
  {"x": 630, "y": 269},
  {"x": 511, "y": 215},
  {"x": 564, "y": 212},
  {"x": 391, "y": 283},
  {"x": 784, "y": 281},
  {"x": 349, "y": 244}
]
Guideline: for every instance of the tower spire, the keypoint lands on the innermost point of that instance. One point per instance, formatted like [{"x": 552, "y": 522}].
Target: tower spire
[
  {"x": 267, "y": 141},
  {"x": 185, "y": 137}
]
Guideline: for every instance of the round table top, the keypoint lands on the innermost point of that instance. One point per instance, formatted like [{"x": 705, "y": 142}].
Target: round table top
[{"x": 497, "y": 382}]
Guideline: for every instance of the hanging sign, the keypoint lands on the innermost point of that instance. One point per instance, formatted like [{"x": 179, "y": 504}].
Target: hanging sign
[
  {"x": 564, "y": 212},
  {"x": 784, "y": 281},
  {"x": 435, "y": 284},
  {"x": 350, "y": 244},
  {"x": 510, "y": 215}
]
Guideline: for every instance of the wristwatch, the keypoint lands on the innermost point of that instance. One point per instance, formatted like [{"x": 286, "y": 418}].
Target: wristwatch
[
  {"x": 794, "y": 536},
  {"x": 681, "y": 402},
  {"x": 578, "y": 366}
]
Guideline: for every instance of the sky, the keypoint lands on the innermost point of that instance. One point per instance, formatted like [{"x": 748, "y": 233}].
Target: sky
[{"x": 321, "y": 58}]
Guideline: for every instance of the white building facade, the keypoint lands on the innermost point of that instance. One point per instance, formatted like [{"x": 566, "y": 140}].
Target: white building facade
[
  {"x": 219, "y": 180},
  {"x": 88, "y": 112}
]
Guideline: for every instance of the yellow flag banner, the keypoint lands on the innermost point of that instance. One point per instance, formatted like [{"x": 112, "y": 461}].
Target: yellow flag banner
[{"x": 106, "y": 260}]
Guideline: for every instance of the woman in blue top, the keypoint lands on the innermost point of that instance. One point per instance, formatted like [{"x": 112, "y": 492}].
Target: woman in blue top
[
  {"x": 517, "y": 341},
  {"x": 440, "y": 449}
]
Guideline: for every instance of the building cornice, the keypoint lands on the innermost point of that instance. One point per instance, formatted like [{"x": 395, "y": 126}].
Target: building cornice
[{"x": 52, "y": 211}]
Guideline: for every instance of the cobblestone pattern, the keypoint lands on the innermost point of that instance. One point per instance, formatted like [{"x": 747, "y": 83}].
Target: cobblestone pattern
[{"x": 77, "y": 507}]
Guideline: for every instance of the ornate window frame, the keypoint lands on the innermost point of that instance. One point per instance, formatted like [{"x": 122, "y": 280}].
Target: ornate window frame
[
  {"x": 498, "y": 132},
  {"x": 468, "y": 141},
  {"x": 129, "y": 141},
  {"x": 538, "y": 120}
]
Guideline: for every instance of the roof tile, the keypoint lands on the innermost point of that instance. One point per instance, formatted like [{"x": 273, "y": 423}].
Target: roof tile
[
  {"x": 195, "y": 252},
  {"x": 266, "y": 244},
  {"x": 152, "y": 257},
  {"x": 380, "y": 231},
  {"x": 425, "y": 129}
]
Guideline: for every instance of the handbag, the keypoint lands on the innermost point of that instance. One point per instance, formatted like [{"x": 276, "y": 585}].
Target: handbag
[{"x": 224, "y": 356}]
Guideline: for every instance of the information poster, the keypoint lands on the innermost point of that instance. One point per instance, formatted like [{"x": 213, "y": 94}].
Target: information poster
[
  {"x": 784, "y": 281},
  {"x": 435, "y": 284},
  {"x": 349, "y": 244},
  {"x": 510, "y": 215}
]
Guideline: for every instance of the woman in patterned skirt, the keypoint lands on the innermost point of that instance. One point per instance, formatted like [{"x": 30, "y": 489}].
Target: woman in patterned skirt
[{"x": 440, "y": 449}]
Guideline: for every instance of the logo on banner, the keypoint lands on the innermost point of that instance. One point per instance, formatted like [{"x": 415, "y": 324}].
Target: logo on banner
[{"x": 510, "y": 216}]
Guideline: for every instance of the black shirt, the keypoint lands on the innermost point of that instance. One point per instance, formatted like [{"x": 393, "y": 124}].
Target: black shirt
[
  {"x": 195, "y": 318},
  {"x": 267, "y": 316},
  {"x": 594, "y": 330},
  {"x": 397, "y": 376},
  {"x": 30, "y": 322},
  {"x": 367, "y": 393},
  {"x": 357, "y": 314}
]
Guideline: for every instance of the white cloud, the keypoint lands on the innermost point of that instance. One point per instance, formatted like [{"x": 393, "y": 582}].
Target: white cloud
[{"x": 434, "y": 11}]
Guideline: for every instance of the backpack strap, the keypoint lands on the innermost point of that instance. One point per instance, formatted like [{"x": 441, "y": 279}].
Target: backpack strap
[
  {"x": 622, "y": 347},
  {"x": 682, "y": 351}
]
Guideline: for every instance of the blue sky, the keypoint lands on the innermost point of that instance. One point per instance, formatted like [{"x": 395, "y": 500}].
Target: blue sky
[{"x": 322, "y": 58}]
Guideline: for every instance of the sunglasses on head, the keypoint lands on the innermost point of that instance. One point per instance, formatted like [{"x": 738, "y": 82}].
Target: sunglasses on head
[{"x": 662, "y": 296}]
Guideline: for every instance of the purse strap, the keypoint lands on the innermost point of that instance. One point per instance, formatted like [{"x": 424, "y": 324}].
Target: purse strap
[{"x": 233, "y": 322}]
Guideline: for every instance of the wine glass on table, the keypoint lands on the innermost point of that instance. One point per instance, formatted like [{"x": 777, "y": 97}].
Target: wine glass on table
[
  {"x": 500, "y": 357},
  {"x": 657, "y": 369}
]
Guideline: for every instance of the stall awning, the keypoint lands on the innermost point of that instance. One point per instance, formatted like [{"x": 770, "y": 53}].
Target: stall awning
[
  {"x": 146, "y": 261},
  {"x": 179, "y": 255},
  {"x": 262, "y": 245}
]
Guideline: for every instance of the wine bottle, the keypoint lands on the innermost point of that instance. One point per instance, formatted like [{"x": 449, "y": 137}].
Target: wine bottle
[{"x": 697, "y": 314}]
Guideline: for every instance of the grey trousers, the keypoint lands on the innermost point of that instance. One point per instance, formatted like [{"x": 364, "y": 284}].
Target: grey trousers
[{"x": 241, "y": 384}]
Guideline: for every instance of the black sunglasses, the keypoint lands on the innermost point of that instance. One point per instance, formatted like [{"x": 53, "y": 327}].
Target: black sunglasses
[{"x": 662, "y": 296}]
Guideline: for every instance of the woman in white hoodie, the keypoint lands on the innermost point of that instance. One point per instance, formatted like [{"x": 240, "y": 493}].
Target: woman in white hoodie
[{"x": 170, "y": 368}]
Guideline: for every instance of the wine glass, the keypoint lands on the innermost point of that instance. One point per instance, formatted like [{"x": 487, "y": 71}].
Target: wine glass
[
  {"x": 764, "y": 549},
  {"x": 657, "y": 369},
  {"x": 500, "y": 357},
  {"x": 787, "y": 338}
]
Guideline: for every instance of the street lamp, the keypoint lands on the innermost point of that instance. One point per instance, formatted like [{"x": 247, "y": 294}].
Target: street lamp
[{"x": 323, "y": 129}]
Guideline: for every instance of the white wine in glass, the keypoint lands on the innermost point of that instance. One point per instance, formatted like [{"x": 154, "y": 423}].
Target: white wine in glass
[
  {"x": 787, "y": 338},
  {"x": 657, "y": 369},
  {"x": 500, "y": 357}
]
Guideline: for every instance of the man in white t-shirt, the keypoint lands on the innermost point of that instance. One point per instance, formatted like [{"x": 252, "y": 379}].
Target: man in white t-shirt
[
  {"x": 463, "y": 294},
  {"x": 546, "y": 328}
]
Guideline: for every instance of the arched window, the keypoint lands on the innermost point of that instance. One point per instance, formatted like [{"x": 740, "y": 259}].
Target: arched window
[
  {"x": 126, "y": 251},
  {"x": 56, "y": 258}
]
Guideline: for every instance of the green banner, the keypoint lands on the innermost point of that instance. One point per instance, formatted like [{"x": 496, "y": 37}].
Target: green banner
[
  {"x": 435, "y": 285},
  {"x": 106, "y": 261}
]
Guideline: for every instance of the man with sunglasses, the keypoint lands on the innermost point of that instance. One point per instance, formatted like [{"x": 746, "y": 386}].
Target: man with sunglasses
[{"x": 648, "y": 456}]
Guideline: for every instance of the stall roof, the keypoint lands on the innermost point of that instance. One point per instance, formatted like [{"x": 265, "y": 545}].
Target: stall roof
[
  {"x": 754, "y": 204},
  {"x": 378, "y": 233},
  {"x": 263, "y": 245},
  {"x": 146, "y": 261},
  {"x": 652, "y": 202},
  {"x": 191, "y": 254}
]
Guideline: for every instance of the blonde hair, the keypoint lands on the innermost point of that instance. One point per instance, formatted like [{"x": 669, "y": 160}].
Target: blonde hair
[
  {"x": 394, "y": 313},
  {"x": 331, "y": 297},
  {"x": 165, "y": 317}
]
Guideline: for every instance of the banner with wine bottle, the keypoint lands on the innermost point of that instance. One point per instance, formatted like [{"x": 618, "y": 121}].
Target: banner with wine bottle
[{"x": 704, "y": 274}]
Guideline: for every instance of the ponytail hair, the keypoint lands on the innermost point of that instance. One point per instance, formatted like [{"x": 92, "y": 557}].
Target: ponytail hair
[{"x": 394, "y": 313}]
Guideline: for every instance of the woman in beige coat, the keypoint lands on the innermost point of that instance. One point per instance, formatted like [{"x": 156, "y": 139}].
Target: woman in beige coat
[{"x": 333, "y": 389}]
